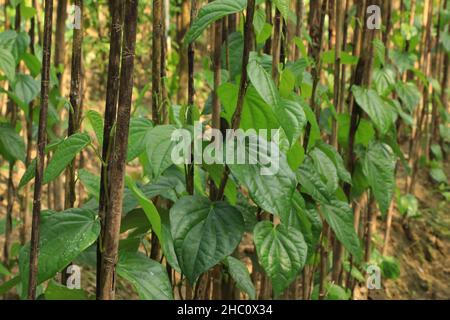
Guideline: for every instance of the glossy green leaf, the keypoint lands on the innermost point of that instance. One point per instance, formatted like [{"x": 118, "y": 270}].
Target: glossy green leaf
[
  {"x": 262, "y": 81},
  {"x": 283, "y": 6},
  {"x": 12, "y": 146},
  {"x": 91, "y": 182},
  {"x": 384, "y": 79},
  {"x": 57, "y": 291},
  {"x": 257, "y": 114},
  {"x": 148, "y": 277},
  {"x": 390, "y": 268},
  {"x": 292, "y": 118},
  {"x": 409, "y": 94},
  {"x": 64, "y": 154},
  {"x": 149, "y": 208},
  {"x": 298, "y": 219},
  {"x": 28, "y": 175},
  {"x": 63, "y": 236},
  {"x": 25, "y": 87},
  {"x": 204, "y": 233},
  {"x": 15, "y": 42},
  {"x": 334, "y": 155},
  {"x": 326, "y": 168},
  {"x": 282, "y": 253},
  {"x": 159, "y": 148},
  {"x": 8, "y": 285},
  {"x": 266, "y": 174},
  {"x": 311, "y": 182},
  {"x": 339, "y": 217},
  {"x": 375, "y": 107},
  {"x": 167, "y": 245},
  {"x": 33, "y": 64},
  {"x": 239, "y": 272},
  {"x": 96, "y": 121},
  {"x": 4, "y": 271},
  {"x": 335, "y": 292},
  {"x": 211, "y": 12},
  {"x": 379, "y": 168},
  {"x": 7, "y": 63},
  {"x": 139, "y": 127},
  {"x": 27, "y": 12}
]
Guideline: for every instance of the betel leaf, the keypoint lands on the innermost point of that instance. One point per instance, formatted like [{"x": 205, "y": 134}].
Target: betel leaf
[
  {"x": 311, "y": 182},
  {"x": 265, "y": 34},
  {"x": 298, "y": 219},
  {"x": 4, "y": 271},
  {"x": 295, "y": 156},
  {"x": 8, "y": 285},
  {"x": 283, "y": 6},
  {"x": 287, "y": 82},
  {"x": 159, "y": 148},
  {"x": 147, "y": 205},
  {"x": 25, "y": 87},
  {"x": 136, "y": 221},
  {"x": 204, "y": 233},
  {"x": 15, "y": 42},
  {"x": 28, "y": 175},
  {"x": 234, "y": 50},
  {"x": 256, "y": 113},
  {"x": 228, "y": 96},
  {"x": 168, "y": 187},
  {"x": 445, "y": 39},
  {"x": 384, "y": 79},
  {"x": 259, "y": 19},
  {"x": 27, "y": 12},
  {"x": 379, "y": 168},
  {"x": 347, "y": 58},
  {"x": 390, "y": 268},
  {"x": 292, "y": 118},
  {"x": 148, "y": 277},
  {"x": 409, "y": 94},
  {"x": 57, "y": 291},
  {"x": 211, "y": 12},
  {"x": 239, "y": 272},
  {"x": 364, "y": 134},
  {"x": 168, "y": 246},
  {"x": 289, "y": 114},
  {"x": 91, "y": 182},
  {"x": 282, "y": 253},
  {"x": 262, "y": 80},
  {"x": 7, "y": 63},
  {"x": 138, "y": 130},
  {"x": 332, "y": 153},
  {"x": 339, "y": 216},
  {"x": 96, "y": 121},
  {"x": 33, "y": 64},
  {"x": 380, "y": 51},
  {"x": 12, "y": 146},
  {"x": 63, "y": 236},
  {"x": 326, "y": 168},
  {"x": 335, "y": 292},
  {"x": 15, "y": 3},
  {"x": 374, "y": 106},
  {"x": 265, "y": 173},
  {"x": 64, "y": 154},
  {"x": 315, "y": 129}
]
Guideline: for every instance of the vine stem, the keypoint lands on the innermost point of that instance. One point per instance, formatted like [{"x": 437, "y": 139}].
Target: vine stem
[
  {"x": 42, "y": 140},
  {"x": 116, "y": 169},
  {"x": 236, "y": 119},
  {"x": 116, "y": 9}
]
